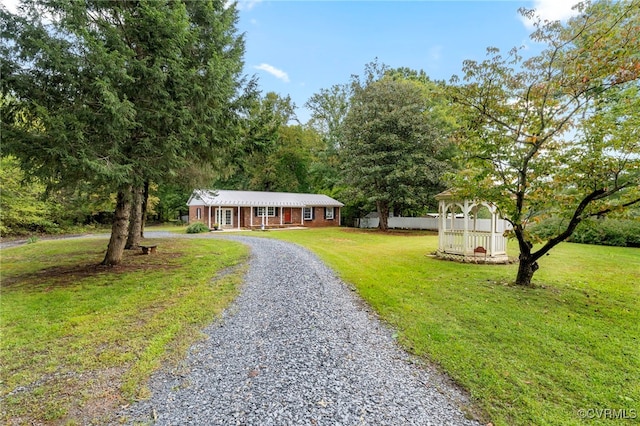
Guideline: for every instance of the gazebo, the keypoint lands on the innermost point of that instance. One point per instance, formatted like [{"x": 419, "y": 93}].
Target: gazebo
[{"x": 470, "y": 231}]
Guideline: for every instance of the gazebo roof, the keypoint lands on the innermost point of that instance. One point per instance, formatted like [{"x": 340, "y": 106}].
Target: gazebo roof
[{"x": 444, "y": 195}]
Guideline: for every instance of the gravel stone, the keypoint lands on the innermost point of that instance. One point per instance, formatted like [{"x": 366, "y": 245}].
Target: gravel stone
[{"x": 297, "y": 347}]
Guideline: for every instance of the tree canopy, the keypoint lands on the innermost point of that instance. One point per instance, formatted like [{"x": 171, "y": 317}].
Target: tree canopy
[
  {"x": 556, "y": 134},
  {"x": 118, "y": 94},
  {"x": 395, "y": 139}
]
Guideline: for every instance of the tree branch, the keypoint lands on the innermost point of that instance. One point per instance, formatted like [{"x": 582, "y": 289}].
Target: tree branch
[{"x": 573, "y": 223}]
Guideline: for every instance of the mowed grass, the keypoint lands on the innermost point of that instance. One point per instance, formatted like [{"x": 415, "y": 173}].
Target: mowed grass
[
  {"x": 79, "y": 340},
  {"x": 558, "y": 354}
]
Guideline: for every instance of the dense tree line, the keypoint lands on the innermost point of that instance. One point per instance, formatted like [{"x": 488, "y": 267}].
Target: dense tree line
[
  {"x": 131, "y": 105},
  {"x": 120, "y": 96}
]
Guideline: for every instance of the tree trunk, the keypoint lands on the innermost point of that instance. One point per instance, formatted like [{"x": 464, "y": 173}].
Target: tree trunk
[
  {"x": 528, "y": 262},
  {"x": 145, "y": 200},
  {"x": 119, "y": 228},
  {"x": 135, "y": 221},
  {"x": 526, "y": 269},
  {"x": 383, "y": 214}
]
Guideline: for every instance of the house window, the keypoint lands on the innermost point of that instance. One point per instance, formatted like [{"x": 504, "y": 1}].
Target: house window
[
  {"x": 328, "y": 213},
  {"x": 198, "y": 213},
  {"x": 270, "y": 211},
  {"x": 308, "y": 213}
]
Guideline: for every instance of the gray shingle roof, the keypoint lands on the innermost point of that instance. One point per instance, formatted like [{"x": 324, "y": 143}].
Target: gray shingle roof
[{"x": 209, "y": 197}]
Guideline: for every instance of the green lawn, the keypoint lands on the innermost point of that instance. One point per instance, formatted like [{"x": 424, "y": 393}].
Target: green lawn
[
  {"x": 528, "y": 356},
  {"x": 78, "y": 340}
]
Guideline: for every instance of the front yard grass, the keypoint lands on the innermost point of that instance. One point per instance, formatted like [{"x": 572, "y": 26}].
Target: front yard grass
[
  {"x": 561, "y": 353},
  {"x": 79, "y": 340}
]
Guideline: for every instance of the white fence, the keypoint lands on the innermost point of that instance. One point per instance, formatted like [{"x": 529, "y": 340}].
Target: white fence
[{"x": 431, "y": 223}]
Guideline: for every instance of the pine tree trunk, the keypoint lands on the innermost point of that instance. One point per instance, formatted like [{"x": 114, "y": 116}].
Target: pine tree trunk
[
  {"x": 145, "y": 200},
  {"x": 383, "y": 214},
  {"x": 119, "y": 228},
  {"x": 527, "y": 267},
  {"x": 135, "y": 221}
]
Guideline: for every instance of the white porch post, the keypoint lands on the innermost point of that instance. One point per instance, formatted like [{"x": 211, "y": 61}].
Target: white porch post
[
  {"x": 238, "y": 218},
  {"x": 281, "y": 214},
  {"x": 302, "y": 216},
  {"x": 209, "y": 224},
  {"x": 251, "y": 217}
]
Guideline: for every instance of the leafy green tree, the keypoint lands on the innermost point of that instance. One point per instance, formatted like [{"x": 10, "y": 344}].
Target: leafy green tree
[
  {"x": 22, "y": 205},
  {"x": 125, "y": 93},
  {"x": 171, "y": 201},
  {"x": 556, "y": 134},
  {"x": 275, "y": 153},
  {"x": 394, "y": 142},
  {"x": 80, "y": 205},
  {"x": 286, "y": 168},
  {"x": 328, "y": 109}
]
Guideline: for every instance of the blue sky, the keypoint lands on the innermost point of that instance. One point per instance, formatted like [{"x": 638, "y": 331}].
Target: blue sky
[{"x": 298, "y": 47}]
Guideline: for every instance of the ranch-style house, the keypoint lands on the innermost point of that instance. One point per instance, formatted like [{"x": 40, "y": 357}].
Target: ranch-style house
[{"x": 255, "y": 209}]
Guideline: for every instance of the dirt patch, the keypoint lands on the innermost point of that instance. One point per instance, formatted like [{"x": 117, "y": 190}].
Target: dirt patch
[
  {"x": 61, "y": 276},
  {"x": 103, "y": 398},
  {"x": 96, "y": 394}
]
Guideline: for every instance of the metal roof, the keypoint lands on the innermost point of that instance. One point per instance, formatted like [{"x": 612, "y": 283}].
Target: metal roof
[{"x": 211, "y": 197}]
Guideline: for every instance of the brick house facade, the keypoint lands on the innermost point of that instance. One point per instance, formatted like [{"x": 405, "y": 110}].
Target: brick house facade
[{"x": 253, "y": 209}]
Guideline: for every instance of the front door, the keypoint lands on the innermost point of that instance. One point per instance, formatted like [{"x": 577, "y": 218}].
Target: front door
[
  {"x": 226, "y": 218},
  {"x": 287, "y": 215}
]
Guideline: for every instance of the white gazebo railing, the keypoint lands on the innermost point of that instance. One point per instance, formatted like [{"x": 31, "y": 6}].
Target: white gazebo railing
[{"x": 470, "y": 230}]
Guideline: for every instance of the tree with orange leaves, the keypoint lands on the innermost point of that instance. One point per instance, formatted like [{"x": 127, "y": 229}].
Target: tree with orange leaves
[{"x": 558, "y": 133}]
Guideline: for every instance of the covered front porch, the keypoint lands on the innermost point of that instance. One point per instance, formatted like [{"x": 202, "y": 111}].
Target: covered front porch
[{"x": 249, "y": 217}]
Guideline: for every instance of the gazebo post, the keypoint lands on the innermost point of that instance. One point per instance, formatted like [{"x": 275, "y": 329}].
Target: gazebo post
[
  {"x": 465, "y": 227},
  {"x": 492, "y": 239},
  {"x": 442, "y": 221}
]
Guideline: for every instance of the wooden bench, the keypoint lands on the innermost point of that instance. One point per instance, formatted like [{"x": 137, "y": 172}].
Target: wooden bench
[
  {"x": 480, "y": 250},
  {"x": 149, "y": 249}
]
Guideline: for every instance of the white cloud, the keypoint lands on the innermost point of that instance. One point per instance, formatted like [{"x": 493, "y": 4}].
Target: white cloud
[
  {"x": 435, "y": 53},
  {"x": 273, "y": 71},
  {"x": 551, "y": 10},
  {"x": 247, "y": 4}
]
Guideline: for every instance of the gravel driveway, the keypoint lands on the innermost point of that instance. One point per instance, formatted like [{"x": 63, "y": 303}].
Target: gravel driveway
[{"x": 297, "y": 348}]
